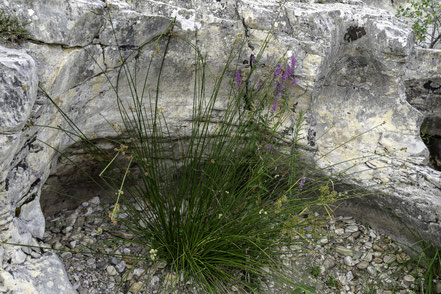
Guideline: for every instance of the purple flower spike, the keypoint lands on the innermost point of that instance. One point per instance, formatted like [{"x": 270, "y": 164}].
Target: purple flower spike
[
  {"x": 259, "y": 84},
  {"x": 268, "y": 147},
  {"x": 301, "y": 183},
  {"x": 286, "y": 74},
  {"x": 294, "y": 82},
  {"x": 293, "y": 61},
  {"x": 238, "y": 78},
  {"x": 278, "y": 70},
  {"x": 274, "y": 108}
]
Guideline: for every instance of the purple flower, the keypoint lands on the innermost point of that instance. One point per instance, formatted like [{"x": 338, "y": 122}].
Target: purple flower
[
  {"x": 274, "y": 108},
  {"x": 259, "y": 84},
  {"x": 286, "y": 74},
  {"x": 289, "y": 70},
  {"x": 292, "y": 148},
  {"x": 301, "y": 183},
  {"x": 294, "y": 82},
  {"x": 252, "y": 59},
  {"x": 238, "y": 78},
  {"x": 268, "y": 147},
  {"x": 293, "y": 61},
  {"x": 278, "y": 70}
]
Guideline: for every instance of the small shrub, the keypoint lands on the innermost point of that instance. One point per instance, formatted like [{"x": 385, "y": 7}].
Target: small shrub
[
  {"x": 425, "y": 16},
  {"x": 11, "y": 29}
]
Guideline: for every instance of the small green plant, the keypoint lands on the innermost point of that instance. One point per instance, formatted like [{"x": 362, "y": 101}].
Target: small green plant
[
  {"x": 428, "y": 258},
  {"x": 370, "y": 288},
  {"x": 11, "y": 29},
  {"x": 425, "y": 136},
  {"x": 424, "y": 255},
  {"x": 315, "y": 271},
  {"x": 333, "y": 282},
  {"x": 425, "y": 17},
  {"x": 395, "y": 287}
]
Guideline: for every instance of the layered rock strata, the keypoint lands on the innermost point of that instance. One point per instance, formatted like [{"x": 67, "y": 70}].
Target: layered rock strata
[{"x": 358, "y": 73}]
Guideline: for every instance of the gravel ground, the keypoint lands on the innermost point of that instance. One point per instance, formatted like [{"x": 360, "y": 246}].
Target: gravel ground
[{"x": 344, "y": 257}]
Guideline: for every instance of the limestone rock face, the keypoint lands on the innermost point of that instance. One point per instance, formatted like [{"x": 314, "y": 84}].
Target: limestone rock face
[
  {"x": 367, "y": 89},
  {"x": 23, "y": 269},
  {"x": 69, "y": 23},
  {"x": 38, "y": 275},
  {"x": 17, "y": 69}
]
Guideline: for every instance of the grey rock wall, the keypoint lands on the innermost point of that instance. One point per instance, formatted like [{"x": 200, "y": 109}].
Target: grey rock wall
[
  {"x": 358, "y": 71},
  {"x": 23, "y": 269}
]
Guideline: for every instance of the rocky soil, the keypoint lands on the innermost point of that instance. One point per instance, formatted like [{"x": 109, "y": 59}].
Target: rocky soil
[{"x": 342, "y": 257}]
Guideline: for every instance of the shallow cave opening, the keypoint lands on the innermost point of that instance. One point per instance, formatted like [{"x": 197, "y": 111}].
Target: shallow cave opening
[
  {"x": 432, "y": 139},
  {"x": 75, "y": 180},
  {"x": 425, "y": 95}
]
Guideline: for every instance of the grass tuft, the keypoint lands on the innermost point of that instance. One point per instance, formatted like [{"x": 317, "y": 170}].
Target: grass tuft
[
  {"x": 229, "y": 202},
  {"x": 11, "y": 29}
]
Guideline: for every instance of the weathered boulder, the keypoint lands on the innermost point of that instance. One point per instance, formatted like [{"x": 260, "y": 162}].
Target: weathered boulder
[
  {"x": 364, "y": 84},
  {"x": 24, "y": 269}
]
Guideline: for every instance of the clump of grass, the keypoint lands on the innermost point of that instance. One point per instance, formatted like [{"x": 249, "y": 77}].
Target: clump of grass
[
  {"x": 11, "y": 29},
  {"x": 236, "y": 204},
  {"x": 428, "y": 257},
  {"x": 315, "y": 271},
  {"x": 333, "y": 282},
  {"x": 425, "y": 255}
]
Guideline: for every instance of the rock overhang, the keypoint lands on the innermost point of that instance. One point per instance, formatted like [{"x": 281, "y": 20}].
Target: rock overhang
[{"x": 353, "y": 65}]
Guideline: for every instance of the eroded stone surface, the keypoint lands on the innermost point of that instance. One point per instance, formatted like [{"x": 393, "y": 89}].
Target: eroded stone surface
[
  {"x": 45, "y": 274},
  {"x": 18, "y": 89},
  {"x": 355, "y": 67}
]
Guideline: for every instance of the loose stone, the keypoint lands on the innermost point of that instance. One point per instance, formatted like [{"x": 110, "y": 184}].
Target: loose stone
[
  {"x": 362, "y": 264},
  {"x": 371, "y": 270},
  {"x": 351, "y": 229},
  {"x": 111, "y": 270},
  {"x": 66, "y": 255},
  {"x": 339, "y": 231},
  {"x": 389, "y": 258},
  {"x": 328, "y": 263},
  {"x": 368, "y": 257},
  {"x": 113, "y": 260},
  {"x": 120, "y": 266},
  {"x": 344, "y": 251},
  {"x": 136, "y": 287},
  {"x": 324, "y": 241},
  {"x": 154, "y": 280},
  {"x": 409, "y": 279},
  {"x": 348, "y": 261}
]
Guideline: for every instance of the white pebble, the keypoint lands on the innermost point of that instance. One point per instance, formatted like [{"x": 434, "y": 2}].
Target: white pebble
[
  {"x": 111, "y": 270},
  {"x": 348, "y": 261}
]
